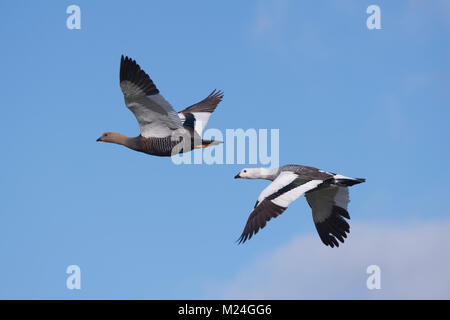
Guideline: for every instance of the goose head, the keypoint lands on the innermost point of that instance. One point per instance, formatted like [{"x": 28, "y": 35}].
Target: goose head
[
  {"x": 249, "y": 173},
  {"x": 112, "y": 137}
]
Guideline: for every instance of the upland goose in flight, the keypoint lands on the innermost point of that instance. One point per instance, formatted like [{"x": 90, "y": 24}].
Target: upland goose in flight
[
  {"x": 325, "y": 192},
  {"x": 162, "y": 129}
]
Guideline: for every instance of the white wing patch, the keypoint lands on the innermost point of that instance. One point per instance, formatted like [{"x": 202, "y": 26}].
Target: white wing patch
[
  {"x": 285, "y": 178},
  {"x": 286, "y": 198},
  {"x": 201, "y": 119}
]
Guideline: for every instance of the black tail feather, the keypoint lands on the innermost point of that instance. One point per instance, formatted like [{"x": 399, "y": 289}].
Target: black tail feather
[{"x": 349, "y": 182}]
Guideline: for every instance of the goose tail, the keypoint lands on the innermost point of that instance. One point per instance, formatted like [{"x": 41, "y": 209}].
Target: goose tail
[{"x": 347, "y": 182}]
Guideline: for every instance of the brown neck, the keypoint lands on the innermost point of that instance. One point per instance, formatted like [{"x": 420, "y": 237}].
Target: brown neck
[{"x": 121, "y": 139}]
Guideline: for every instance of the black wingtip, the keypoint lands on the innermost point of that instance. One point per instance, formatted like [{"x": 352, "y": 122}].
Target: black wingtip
[
  {"x": 240, "y": 240},
  {"x": 131, "y": 71},
  {"x": 217, "y": 94},
  {"x": 334, "y": 228},
  {"x": 341, "y": 211}
]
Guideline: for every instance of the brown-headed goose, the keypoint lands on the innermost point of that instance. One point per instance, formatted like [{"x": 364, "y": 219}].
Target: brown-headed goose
[
  {"x": 326, "y": 193},
  {"x": 162, "y": 129}
]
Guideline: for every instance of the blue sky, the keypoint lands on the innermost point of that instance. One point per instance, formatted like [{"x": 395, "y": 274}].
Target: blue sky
[{"x": 365, "y": 103}]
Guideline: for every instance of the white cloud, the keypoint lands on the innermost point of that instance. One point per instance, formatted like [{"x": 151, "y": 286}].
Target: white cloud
[{"x": 414, "y": 262}]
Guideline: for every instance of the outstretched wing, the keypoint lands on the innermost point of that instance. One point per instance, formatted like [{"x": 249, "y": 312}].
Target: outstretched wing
[
  {"x": 154, "y": 114},
  {"x": 274, "y": 200},
  {"x": 197, "y": 115},
  {"x": 329, "y": 206}
]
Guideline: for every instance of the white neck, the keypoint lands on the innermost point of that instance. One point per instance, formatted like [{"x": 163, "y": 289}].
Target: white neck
[{"x": 268, "y": 174}]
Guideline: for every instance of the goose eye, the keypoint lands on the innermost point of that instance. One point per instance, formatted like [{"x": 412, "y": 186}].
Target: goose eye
[{"x": 245, "y": 171}]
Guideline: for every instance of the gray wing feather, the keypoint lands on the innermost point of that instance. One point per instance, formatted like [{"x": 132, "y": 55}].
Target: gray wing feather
[
  {"x": 155, "y": 115},
  {"x": 307, "y": 173}
]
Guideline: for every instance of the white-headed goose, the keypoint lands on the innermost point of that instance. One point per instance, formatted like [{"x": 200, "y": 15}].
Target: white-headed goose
[
  {"x": 326, "y": 193},
  {"x": 157, "y": 120}
]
